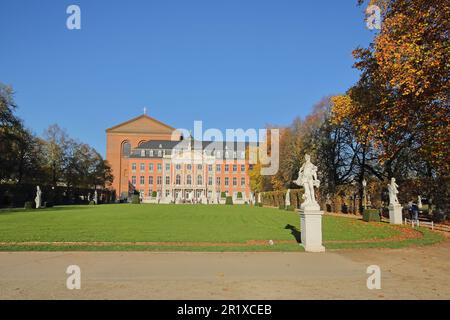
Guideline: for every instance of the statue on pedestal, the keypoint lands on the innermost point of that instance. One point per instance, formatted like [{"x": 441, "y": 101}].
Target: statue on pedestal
[
  {"x": 395, "y": 208},
  {"x": 393, "y": 191},
  {"x": 287, "y": 201},
  {"x": 38, "y": 197},
  {"x": 310, "y": 213},
  {"x": 95, "y": 197},
  {"x": 307, "y": 178}
]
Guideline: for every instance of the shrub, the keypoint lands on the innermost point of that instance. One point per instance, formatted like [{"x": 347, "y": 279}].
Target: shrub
[
  {"x": 91, "y": 203},
  {"x": 259, "y": 204},
  {"x": 290, "y": 208},
  {"x": 281, "y": 207},
  {"x": 229, "y": 200},
  {"x": 239, "y": 195},
  {"x": 135, "y": 199},
  {"x": 49, "y": 204},
  {"x": 223, "y": 195},
  {"x": 29, "y": 205},
  {"x": 371, "y": 215},
  {"x": 154, "y": 194}
]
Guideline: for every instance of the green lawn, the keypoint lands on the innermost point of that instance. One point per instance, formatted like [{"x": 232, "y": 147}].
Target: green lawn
[{"x": 181, "y": 223}]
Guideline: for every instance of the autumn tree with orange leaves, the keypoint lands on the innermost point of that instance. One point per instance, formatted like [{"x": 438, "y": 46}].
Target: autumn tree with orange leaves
[{"x": 401, "y": 100}]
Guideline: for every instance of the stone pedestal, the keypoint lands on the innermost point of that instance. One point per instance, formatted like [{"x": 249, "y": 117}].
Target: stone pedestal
[
  {"x": 395, "y": 214},
  {"x": 311, "y": 228}
]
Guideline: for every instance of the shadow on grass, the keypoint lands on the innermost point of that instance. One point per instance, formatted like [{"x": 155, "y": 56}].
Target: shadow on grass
[
  {"x": 8, "y": 211},
  {"x": 295, "y": 232}
]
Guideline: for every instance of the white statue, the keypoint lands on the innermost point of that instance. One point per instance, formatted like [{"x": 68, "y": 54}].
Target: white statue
[
  {"x": 95, "y": 197},
  {"x": 287, "y": 201},
  {"x": 259, "y": 197},
  {"x": 393, "y": 191},
  {"x": 38, "y": 197},
  {"x": 307, "y": 178},
  {"x": 419, "y": 202}
]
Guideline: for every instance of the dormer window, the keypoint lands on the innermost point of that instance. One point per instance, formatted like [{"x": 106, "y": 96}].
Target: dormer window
[
  {"x": 142, "y": 153},
  {"x": 159, "y": 153}
]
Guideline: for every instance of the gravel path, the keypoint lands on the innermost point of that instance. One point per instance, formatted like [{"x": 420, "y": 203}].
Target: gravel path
[{"x": 410, "y": 273}]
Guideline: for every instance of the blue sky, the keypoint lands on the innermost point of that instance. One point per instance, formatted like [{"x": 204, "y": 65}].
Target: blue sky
[{"x": 229, "y": 63}]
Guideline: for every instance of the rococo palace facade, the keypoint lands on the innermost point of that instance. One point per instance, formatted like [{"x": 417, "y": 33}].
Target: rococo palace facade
[{"x": 156, "y": 160}]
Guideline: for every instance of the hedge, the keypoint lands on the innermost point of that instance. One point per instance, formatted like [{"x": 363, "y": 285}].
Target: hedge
[
  {"x": 15, "y": 195},
  {"x": 135, "y": 199},
  {"x": 278, "y": 198},
  {"x": 371, "y": 215},
  {"x": 229, "y": 200}
]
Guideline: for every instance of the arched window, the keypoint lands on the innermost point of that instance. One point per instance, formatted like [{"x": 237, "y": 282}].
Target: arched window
[
  {"x": 199, "y": 180},
  {"x": 178, "y": 179},
  {"x": 188, "y": 179},
  {"x": 126, "y": 148}
]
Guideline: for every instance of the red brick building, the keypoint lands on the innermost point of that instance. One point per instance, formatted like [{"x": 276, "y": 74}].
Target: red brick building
[{"x": 152, "y": 158}]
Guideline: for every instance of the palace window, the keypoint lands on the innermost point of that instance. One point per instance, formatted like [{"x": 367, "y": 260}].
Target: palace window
[
  {"x": 159, "y": 166},
  {"x": 142, "y": 180},
  {"x": 218, "y": 167},
  {"x": 199, "y": 167},
  {"x": 150, "y": 167},
  {"x": 133, "y": 167},
  {"x": 178, "y": 167},
  {"x": 226, "y": 181},
  {"x": 158, "y": 180},
  {"x": 243, "y": 167},
  {"x": 189, "y": 167},
  {"x": 227, "y": 168},
  {"x": 199, "y": 180},
  {"x": 167, "y": 180},
  {"x": 167, "y": 166},
  {"x": 126, "y": 149},
  {"x": 234, "y": 168},
  {"x": 142, "y": 166},
  {"x": 178, "y": 179},
  {"x": 133, "y": 180},
  {"x": 234, "y": 181},
  {"x": 188, "y": 179},
  {"x": 242, "y": 181},
  {"x": 167, "y": 193},
  {"x": 210, "y": 180},
  {"x": 210, "y": 167},
  {"x": 218, "y": 181},
  {"x": 150, "y": 180}
]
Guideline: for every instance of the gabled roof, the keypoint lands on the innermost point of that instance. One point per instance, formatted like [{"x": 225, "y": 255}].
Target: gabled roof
[{"x": 142, "y": 124}]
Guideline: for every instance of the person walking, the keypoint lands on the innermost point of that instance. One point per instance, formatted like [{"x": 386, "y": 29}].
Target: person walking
[{"x": 415, "y": 211}]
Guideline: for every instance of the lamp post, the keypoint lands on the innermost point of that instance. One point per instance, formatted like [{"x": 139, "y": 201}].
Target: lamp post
[{"x": 364, "y": 184}]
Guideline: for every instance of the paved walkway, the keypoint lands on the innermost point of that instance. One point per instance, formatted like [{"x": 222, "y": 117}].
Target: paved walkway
[{"x": 411, "y": 273}]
